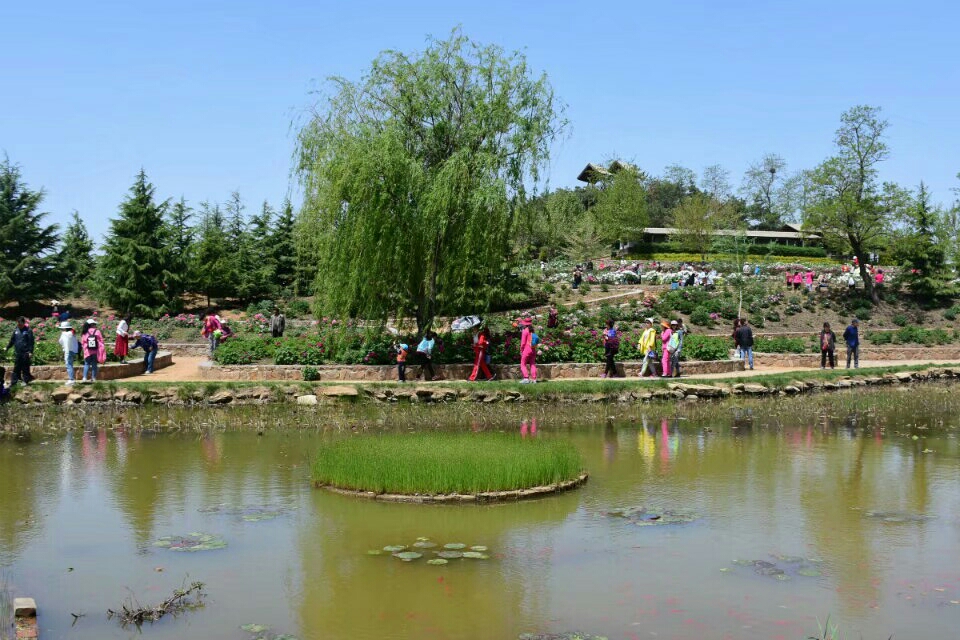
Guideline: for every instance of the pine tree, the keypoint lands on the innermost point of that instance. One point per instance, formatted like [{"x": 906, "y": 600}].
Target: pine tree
[
  {"x": 78, "y": 263},
  {"x": 284, "y": 250},
  {"x": 28, "y": 258},
  {"x": 134, "y": 273},
  {"x": 243, "y": 277},
  {"x": 264, "y": 270},
  {"x": 212, "y": 257},
  {"x": 180, "y": 240},
  {"x": 922, "y": 253}
]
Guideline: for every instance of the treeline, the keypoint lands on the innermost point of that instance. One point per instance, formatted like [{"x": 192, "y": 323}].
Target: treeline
[
  {"x": 842, "y": 200},
  {"x": 155, "y": 251}
]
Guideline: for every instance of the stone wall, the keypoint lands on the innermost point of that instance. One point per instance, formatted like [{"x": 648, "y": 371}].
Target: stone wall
[
  {"x": 187, "y": 349},
  {"x": 892, "y": 353},
  {"x": 108, "y": 371},
  {"x": 371, "y": 373}
]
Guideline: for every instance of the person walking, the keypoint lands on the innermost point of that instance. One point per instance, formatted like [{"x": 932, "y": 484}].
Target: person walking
[
  {"x": 402, "y": 350},
  {"x": 808, "y": 279},
  {"x": 528, "y": 352},
  {"x": 94, "y": 351},
  {"x": 425, "y": 355},
  {"x": 797, "y": 280},
  {"x": 611, "y": 346},
  {"x": 851, "y": 335},
  {"x": 71, "y": 347},
  {"x": 664, "y": 342},
  {"x": 278, "y": 323},
  {"x": 737, "y": 353},
  {"x": 22, "y": 342},
  {"x": 122, "y": 344},
  {"x": 647, "y": 346},
  {"x": 150, "y": 348},
  {"x": 677, "y": 339},
  {"x": 212, "y": 330},
  {"x": 828, "y": 343},
  {"x": 481, "y": 347},
  {"x": 745, "y": 340}
]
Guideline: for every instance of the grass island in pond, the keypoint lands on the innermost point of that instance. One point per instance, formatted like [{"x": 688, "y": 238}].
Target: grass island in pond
[{"x": 445, "y": 463}]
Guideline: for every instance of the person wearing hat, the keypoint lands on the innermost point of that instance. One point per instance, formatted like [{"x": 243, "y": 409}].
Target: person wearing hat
[
  {"x": 676, "y": 345},
  {"x": 94, "y": 351},
  {"x": 121, "y": 345},
  {"x": 647, "y": 346},
  {"x": 851, "y": 335},
  {"x": 665, "y": 336},
  {"x": 150, "y": 347},
  {"x": 22, "y": 342},
  {"x": 71, "y": 347},
  {"x": 528, "y": 351}
]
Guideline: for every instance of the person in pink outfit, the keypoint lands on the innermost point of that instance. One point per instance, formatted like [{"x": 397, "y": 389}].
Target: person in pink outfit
[
  {"x": 94, "y": 351},
  {"x": 664, "y": 341},
  {"x": 808, "y": 279},
  {"x": 528, "y": 352}
]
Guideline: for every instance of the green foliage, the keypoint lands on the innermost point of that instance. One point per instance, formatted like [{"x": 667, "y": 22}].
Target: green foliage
[
  {"x": 77, "y": 256},
  {"x": 298, "y": 309},
  {"x": 134, "y": 273},
  {"x": 299, "y": 351},
  {"x": 952, "y": 313},
  {"x": 424, "y": 164},
  {"x": 921, "y": 251},
  {"x": 863, "y": 313},
  {"x": 779, "y": 344},
  {"x": 696, "y": 219},
  {"x": 439, "y": 463},
  {"x": 212, "y": 261},
  {"x": 697, "y": 347},
  {"x": 310, "y": 374},
  {"x": 900, "y": 320},
  {"x": 771, "y": 250},
  {"x": 29, "y": 263},
  {"x": 180, "y": 238},
  {"x": 620, "y": 208},
  {"x": 244, "y": 351},
  {"x": 701, "y": 317}
]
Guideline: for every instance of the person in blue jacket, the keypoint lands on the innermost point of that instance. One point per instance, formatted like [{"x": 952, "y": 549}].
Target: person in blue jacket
[
  {"x": 150, "y": 347},
  {"x": 851, "y": 336}
]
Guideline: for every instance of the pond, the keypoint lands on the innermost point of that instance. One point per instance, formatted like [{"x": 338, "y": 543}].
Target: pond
[{"x": 735, "y": 520}]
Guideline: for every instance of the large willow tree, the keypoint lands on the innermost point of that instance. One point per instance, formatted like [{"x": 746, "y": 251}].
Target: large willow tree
[{"x": 414, "y": 178}]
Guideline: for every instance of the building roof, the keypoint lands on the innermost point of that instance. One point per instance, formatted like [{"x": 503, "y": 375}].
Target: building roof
[
  {"x": 769, "y": 235},
  {"x": 592, "y": 172}
]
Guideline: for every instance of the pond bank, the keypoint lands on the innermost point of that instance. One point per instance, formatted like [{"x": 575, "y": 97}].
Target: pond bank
[{"x": 312, "y": 395}]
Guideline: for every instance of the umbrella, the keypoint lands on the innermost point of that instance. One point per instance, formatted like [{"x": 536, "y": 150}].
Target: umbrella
[{"x": 466, "y": 322}]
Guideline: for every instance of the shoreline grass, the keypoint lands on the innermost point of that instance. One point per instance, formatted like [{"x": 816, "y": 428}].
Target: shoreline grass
[{"x": 444, "y": 463}]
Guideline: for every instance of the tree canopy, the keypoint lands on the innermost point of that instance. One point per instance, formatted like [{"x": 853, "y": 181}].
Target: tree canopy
[
  {"x": 77, "y": 259},
  {"x": 414, "y": 178}
]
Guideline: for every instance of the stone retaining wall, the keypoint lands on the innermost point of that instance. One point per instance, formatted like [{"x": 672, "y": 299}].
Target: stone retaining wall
[
  {"x": 812, "y": 360},
  {"x": 108, "y": 371},
  {"x": 188, "y": 349},
  {"x": 372, "y": 373}
]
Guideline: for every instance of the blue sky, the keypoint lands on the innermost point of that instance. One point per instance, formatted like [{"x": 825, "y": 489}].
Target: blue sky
[{"x": 202, "y": 94}]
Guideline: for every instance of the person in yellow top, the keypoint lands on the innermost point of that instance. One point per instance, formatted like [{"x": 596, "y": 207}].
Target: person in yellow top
[{"x": 648, "y": 343}]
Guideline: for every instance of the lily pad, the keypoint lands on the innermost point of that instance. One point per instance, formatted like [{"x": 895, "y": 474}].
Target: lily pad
[
  {"x": 254, "y": 628},
  {"x": 643, "y": 516},
  {"x": 249, "y": 513},
  {"x": 896, "y": 517},
  {"x": 437, "y": 561},
  {"x": 455, "y": 546},
  {"x": 424, "y": 544},
  {"x": 407, "y": 556},
  {"x": 809, "y": 572},
  {"x": 194, "y": 541},
  {"x": 450, "y": 555},
  {"x": 475, "y": 555},
  {"x": 478, "y": 547},
  {"x": 375, "y": 552},
  {"x": 394, "y": 548},
  {"x": 784, "y": 568}
]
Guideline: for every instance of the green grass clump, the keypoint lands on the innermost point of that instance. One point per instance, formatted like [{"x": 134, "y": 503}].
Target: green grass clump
[{"x": 442, "y": 463}]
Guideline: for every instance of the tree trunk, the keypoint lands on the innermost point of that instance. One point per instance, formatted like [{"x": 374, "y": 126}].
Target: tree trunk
[{"x": 868, "y": 287}]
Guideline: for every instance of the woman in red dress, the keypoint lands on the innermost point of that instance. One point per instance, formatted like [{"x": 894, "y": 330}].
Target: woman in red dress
[{"x": 122, "y": 346}]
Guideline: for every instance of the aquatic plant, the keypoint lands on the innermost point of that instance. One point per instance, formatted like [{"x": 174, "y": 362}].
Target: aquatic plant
[
  {"x": 642, "y": 516},
  {"x": 444, "y": 463},
  {"x": 440, "y": 556},
  {"x": 183, "y": 599},
  {"x": 194, "y": 541}
]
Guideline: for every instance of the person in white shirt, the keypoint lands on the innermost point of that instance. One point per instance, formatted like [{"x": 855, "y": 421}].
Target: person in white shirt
[{"x": 71, "y": 347}]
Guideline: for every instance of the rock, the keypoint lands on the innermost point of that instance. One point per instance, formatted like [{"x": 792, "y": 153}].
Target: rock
[
  {"x": 61, "y": 394},
  {"x": 755, "y": 389},
  {"x": 24, "y": 608},
  {"x": 791, "y": 390},
  {"x": 253, "y": 393},
  {"x": 74, "y": 398},
  {"x": 339, "y": 391},
  {"x": 307, "y": 400},
  {"x": 844, "y": 384},
  {"x": 904, "y": 376},
  {"x": 690, "y": 398},
  {"x": 128, "y": 395},
  {"x": 223, "y": 396},
  {"x": 702, "y": 390}
]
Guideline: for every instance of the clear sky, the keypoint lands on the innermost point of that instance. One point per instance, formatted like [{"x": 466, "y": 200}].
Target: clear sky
[{"x": 202, "y": 94}]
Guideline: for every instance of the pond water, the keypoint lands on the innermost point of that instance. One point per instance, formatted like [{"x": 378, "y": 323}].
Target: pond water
[{"x": 773, "y": 514}]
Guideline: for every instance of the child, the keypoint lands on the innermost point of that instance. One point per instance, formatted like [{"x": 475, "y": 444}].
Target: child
[{"x": 402, "y": 350}]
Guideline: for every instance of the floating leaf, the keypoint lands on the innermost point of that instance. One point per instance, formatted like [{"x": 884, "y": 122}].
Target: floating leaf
[
  {"x": 437, "y": 561},
  {"x": 478, "y": 547},
  {"x": 393, "y": 548},
  {"x": 254, "y": 628},
  {"x": 455, "y": 545},
  {"x": 424, "y": 544},
  {"x": 450, "y": 555},
  {"x": 476, "y": 555},
  {"x": 194, "y": 541},
  {"x": 643, "y": 516},
  {"x": 407, "y": 556},
  {"x": 375, "y": 552}
]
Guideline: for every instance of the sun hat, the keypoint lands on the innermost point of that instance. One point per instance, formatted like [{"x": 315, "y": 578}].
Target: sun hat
[
  {"x": 65, "y": 325},
  {"x": 673, "y": 322},
  {"x": 665, "y": 324},
  {"x": 651, "y": 321},
  {"x": 91, "y": 321}
]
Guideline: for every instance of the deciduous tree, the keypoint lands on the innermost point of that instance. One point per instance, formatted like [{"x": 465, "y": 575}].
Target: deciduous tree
[
  {"x": 697, "y": 219},
  {"x": 414, "y": 178}
]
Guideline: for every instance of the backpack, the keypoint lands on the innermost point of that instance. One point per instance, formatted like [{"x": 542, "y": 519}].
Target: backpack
[
  {"x": 534, "y": 339},
  {"x": 91, "y": 342}
]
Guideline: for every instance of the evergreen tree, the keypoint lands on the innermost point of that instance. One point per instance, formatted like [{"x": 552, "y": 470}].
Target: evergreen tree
[
  {"x": 134, "y": 273},
  {"x": 283, "y": 250},
  {"x": 212, "y": 257},
  {"x": 180, "y": 241},
  {"x": 263, "y": 271},
  {"x": 28, "y": 258},
  {"x": 922, "y": 253},
  {"x": 78, "y": 263},
  {"x": 241, "y": 272}
]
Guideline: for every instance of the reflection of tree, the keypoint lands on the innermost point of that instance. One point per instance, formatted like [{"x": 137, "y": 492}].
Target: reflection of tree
[
  {"x": 28, "y": 479},
  {"x": 348, "y": 594}
]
